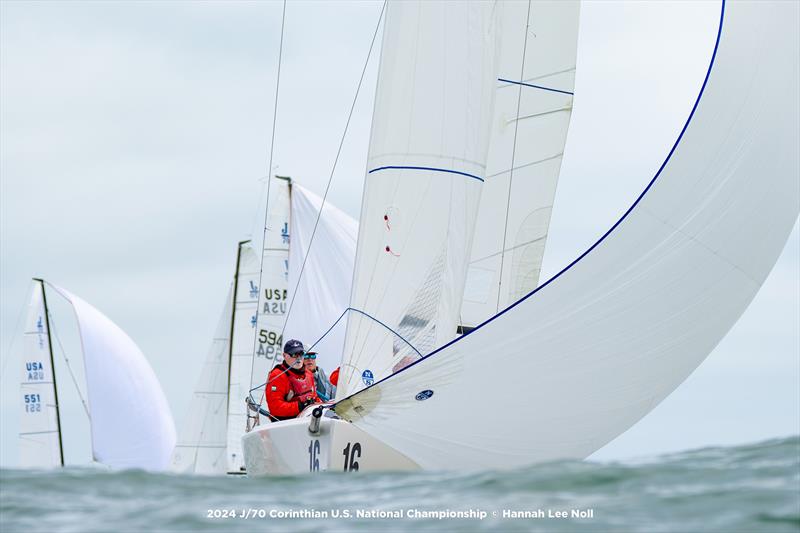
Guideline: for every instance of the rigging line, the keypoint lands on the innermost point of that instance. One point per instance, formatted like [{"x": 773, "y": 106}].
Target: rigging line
[
  {"x": 69, "y": 367},
  {"x": 331, "y": 329},
  {"x": 269, "y": 172},
  {"x": 333, "y": 170},
  {"x": 513, "y": 154}
]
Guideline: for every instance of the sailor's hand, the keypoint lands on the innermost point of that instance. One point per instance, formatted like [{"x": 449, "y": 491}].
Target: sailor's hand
[{"x": 303, "y": 404}]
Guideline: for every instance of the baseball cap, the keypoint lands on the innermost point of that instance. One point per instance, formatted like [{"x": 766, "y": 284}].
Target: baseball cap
[{"x": 293, "y": 347}]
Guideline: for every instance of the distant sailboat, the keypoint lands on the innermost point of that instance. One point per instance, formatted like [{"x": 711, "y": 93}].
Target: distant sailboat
[
  {"x": 130, "y": 419},
  {"x": 210, "y": 438},
  {"x": 568, "y": 365}
]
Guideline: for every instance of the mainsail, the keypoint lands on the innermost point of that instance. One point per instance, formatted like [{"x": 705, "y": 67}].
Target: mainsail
[
  {"x": 210, "y": 439},
  {"x": 426, "y": 165},
  {"x": 131, "y": 422},
  {"x": 323, "y": 291},
  {"x": 536, "y": 70},
  {"x": 587, "y": 354},
  {"x": 273, "y": 284},
  {"x": 202, "y": 443},
  {"x": 39, "y": 428}
]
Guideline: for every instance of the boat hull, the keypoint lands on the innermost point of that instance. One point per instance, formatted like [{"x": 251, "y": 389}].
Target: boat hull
[{"x": 288, "y": 447}]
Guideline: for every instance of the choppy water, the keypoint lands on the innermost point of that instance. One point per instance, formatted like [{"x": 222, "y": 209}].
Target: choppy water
[{"x": 745, "y": 488}]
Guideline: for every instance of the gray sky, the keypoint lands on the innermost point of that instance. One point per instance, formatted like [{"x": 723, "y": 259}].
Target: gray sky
[{"x": 133, "y": 136}]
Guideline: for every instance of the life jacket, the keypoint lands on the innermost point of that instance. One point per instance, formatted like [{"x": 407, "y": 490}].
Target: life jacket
[{"x": 302, "y": 386}]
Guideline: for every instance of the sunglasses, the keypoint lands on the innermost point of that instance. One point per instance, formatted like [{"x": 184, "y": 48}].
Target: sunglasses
[{"x": 310, "y": 356}]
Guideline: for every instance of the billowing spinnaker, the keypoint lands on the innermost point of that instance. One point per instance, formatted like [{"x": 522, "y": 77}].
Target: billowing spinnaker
[
  {"x": 244, "y": 329},
  {"x": 525, "y": 153},
  {"x": 273, "y": 285},
  {"x": 132, "y": 426},
  {"x": 324, "y": 290},
  {"x": 426, "y": 164},
  {"x": 201, "y": 448},
  {"x": 38, "y": 427},
  {"x": 591, "y": 352}
]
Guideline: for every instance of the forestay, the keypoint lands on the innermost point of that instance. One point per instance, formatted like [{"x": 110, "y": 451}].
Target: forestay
[
  {"x": 426, "y": 164},
  {"x": 132, "y": 426},
  {"x": 323, "y": 292},
  {"x": 202, "y": 445},
  {"x": 38, "y": 427},
  {"x": 533, "y": 106},
  {"x": 600, "y": 345}
]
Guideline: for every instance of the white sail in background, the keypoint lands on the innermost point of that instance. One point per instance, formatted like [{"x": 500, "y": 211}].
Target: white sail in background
[
  {"x": 202, "y": 443},
  {"x": 426, "y": 164},
  {"x": 132, "y": 426},
  {"x": 39, "y": 439},
  {"x": 537, "y": 55},
  {"x": 324, "y": 290},
  {"x": 273, "y": 285},
  {"x": 241, "y": 357},
  {"x": 599, "y": 346}
]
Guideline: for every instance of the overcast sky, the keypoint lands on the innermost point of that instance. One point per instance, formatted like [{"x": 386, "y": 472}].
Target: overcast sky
[{"x": 133, "y": 136}]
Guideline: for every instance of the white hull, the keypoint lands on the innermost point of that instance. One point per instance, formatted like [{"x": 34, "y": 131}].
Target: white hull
[{"x": 288, "y": 447}]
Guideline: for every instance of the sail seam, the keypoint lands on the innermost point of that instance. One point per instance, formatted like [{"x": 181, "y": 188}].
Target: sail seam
[
  {"x": 432, "y": 169},
  {"x": 546, "y": 159}
]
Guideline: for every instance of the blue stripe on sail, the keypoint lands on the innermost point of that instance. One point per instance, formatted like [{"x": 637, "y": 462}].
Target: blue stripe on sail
[
  {"x": 473, "y": 176},
  {"x": 534, "y": 86}
]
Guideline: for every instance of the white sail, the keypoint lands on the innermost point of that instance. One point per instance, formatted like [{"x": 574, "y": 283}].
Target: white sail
[
  {"x": 426, "y": 164},
  {"x": 273, "y": 284},
  {"x": 590, "y": 352},
  {"x": 39, "y": 439},
  {"x": 241, "y": 357},
  {"x": 131, "y": 423},
  {"x": 202, "y": 442},
  {"x": 536, "y": 63},
  {"x": 324, "y": 290}
]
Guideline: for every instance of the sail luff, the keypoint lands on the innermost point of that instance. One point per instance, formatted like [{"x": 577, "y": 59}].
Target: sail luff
[{"x": 53, "y": 367}]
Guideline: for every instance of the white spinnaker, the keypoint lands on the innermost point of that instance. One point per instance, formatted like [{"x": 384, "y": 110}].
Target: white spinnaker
[
  {"x": 131, "y": 423},
  {"x": 273, "y": 285},
  {"x": 427, "y": 159},
  {"x": 515, "y": 207},
  {"x": 324, "y": 290},
  {"x": 202, "y": 442},
  {"x": 38, "y": 427},
  {"x": 244, "y": 329},
  {"x": 598, "y": 347}
]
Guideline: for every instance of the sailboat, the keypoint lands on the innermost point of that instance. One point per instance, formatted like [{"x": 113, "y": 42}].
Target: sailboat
[
  {"x": 574, "y": 361},
  {"x": 253, "y": 315},
  {"x": 131, "y": 424}
]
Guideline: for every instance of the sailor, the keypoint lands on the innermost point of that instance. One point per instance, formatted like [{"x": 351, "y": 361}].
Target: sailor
[
  {"x": 290, "y": 387},
  {"x": 325, "y": 389}
]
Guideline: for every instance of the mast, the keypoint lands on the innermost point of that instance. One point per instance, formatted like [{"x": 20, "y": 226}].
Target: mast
[
  {"x": 53, "y": 368},
  {"x": 233, "y": 312}
]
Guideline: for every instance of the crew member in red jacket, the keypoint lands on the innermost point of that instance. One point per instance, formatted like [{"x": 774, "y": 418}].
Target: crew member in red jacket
[{"x": 290, "y": 387}]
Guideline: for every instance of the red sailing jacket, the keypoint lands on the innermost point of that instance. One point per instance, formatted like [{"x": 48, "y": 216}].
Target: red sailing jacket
[{"x": 280, "y": 383}]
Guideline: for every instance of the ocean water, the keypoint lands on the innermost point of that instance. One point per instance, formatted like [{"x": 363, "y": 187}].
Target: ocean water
[{"x": 752, "y": 488}]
